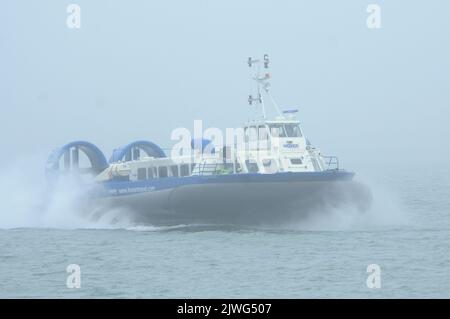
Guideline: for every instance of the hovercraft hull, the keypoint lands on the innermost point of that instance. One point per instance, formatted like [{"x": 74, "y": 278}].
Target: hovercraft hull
[{"x": 244, "y": 199}]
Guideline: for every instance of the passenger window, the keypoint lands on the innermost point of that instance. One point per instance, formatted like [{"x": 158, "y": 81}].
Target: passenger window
[
  {"x": 174, "y": 170},
  {"x": 142, "y": 174},
  {"x": 162, "y": 171},
  {"x": 277, "y": 130},
  {"x": 267, "y": 163},
  {"x": 151, "y": 173},
  {"x": 184, "y": 170},
  {"x": 253, "y": 133},
  {"x": 264, "y": 142},
  {"x": 252, "y": 167},
  {"x": 262, "y": 133}
]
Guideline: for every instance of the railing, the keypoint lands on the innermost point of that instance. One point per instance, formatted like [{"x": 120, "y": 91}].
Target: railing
[
  {"x": 331, "y": 162},
  {"x": 217, "y": 168},
  {"x": 202, "y": 168}
]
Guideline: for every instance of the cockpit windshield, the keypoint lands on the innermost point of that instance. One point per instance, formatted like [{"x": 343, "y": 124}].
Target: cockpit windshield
[
  {"x": 277, "y": 130},
  {"x": 292, "y": 130},
  {"x": 285, "y": 130}
]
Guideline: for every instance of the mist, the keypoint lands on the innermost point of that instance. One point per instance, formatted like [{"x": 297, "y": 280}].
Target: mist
[
  {"x": 30, "y": 202},
  {"x": 375, "y": 98},
  {"x": 138, "y": 71}
]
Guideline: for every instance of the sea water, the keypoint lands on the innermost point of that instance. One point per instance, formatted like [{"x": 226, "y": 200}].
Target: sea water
[{"x": 406, "y": 234}]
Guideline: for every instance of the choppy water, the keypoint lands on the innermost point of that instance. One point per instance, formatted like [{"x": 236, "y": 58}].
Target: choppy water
[{"x": 407, "y": 233}]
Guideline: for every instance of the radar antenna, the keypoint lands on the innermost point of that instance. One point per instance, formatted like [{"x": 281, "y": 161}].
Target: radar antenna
[{"x": 262, "y": 84}]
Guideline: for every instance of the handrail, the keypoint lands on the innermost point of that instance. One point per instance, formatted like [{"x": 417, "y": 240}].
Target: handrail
[
  {"x": 203, "y": 168},
  {"x": 332, "y": 162}
]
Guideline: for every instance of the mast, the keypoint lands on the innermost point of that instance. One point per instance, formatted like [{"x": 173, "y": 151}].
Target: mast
[{"x": 262, "y": 84}]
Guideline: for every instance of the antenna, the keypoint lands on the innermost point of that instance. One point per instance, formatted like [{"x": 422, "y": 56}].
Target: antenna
[{"x": 262, "y": 83}]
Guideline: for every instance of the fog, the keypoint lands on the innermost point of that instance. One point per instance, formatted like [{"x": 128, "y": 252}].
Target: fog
[{"x": 139, "y": 69}]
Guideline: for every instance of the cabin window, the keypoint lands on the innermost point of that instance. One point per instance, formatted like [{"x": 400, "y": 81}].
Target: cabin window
[
  {"x": 293, "y": 130},
  {"x": 296, "y": 161},
  {"x": 277, "y": 130},
  {"x": 227, "y": 153},
  {"x": 252, "y": 167},
  {"x": 151, "y": 173},
  {"x": 267, "y": 163},
  {"x": 264, "y": 142},
  {"x": 262, "y": 132},
  {"x": 174, "y": 170},
  {"x": 285, "y": 130},
  {"x": 162, "y": 171},
  {"x": 141, "y": 174},
  {"x": 184, "y": 170},
  {"x": 251, "y": 134}
]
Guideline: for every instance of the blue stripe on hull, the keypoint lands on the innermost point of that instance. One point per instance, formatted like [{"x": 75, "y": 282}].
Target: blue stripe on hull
[{"x": 127, "y": 187}]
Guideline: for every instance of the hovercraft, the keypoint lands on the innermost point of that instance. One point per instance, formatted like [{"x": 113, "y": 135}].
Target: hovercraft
[{"x": 275, "y": 175}]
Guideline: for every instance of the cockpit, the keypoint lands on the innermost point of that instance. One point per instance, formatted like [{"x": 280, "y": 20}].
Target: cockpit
[
  {"x": 285, "y": 130},
  {"x": 277, "y": 130}
]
